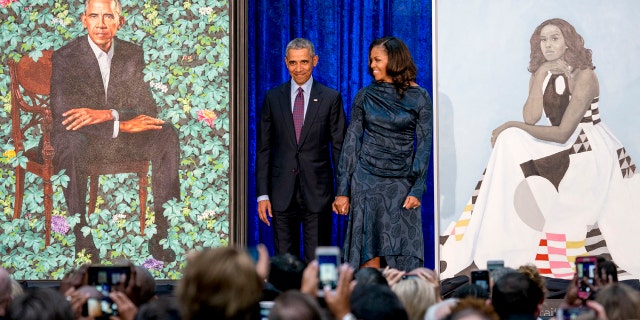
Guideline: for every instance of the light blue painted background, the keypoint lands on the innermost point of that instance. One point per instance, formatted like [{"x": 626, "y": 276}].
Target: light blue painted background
[{"x": 482, "y": 78}]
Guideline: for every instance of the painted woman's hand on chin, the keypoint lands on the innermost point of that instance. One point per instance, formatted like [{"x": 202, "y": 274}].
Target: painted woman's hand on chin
[{"x": 556, "y": 67}]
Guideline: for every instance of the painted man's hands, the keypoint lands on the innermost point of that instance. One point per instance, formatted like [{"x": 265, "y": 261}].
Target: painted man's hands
[
  {"x": 141, "y": 123},
  {"x": 75, "y": 119}
]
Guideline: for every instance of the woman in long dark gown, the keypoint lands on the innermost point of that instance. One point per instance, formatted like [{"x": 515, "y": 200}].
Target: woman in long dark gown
[{"x": 385, "y": 155}]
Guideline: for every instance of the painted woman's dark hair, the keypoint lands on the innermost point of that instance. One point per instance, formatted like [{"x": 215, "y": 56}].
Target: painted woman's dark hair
[{"x": 576, "y": 55}]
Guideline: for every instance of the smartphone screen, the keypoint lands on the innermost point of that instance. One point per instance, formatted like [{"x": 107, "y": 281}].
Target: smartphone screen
[
  {"x": 265, "y": 308},
  {"x": 328, "y": 263},
  {"x": 100, "y": 308},
  {"x": 573, "y": 313},
  {"x": 586, "y": 267},
  {"x": 105, "y": 279},
  {"x": 481, "y": 278}
]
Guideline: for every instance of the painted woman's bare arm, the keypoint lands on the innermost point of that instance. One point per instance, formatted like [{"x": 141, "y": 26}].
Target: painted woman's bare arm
[
  {"x": 532, "y": 110},
  {"x": 584, "y": 89}
]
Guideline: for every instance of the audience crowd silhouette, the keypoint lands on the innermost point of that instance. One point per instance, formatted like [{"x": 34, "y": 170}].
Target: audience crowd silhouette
[{"x": 226, "y": 283}]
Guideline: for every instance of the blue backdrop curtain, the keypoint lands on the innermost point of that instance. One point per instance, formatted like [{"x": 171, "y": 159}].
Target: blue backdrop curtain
[{"x": 341, "y": 31}]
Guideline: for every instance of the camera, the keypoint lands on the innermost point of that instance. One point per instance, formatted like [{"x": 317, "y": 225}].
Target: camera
[
  {"x": 105, "y": 279},
  {"x": 481, "y": 278},
  {"x": 586, "y": 267},
  {"x": 328, "y": 262}
]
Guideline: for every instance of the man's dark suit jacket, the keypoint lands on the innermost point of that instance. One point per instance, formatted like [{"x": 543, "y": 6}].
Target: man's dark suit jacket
[
  {"x": 76, "y": 82},
  {"x": 279, "y": 157}
]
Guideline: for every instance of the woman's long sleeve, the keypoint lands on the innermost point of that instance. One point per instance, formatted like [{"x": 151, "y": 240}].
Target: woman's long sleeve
[
  {"x": 424, "y": 136},
  {"x": 351, "y": 146}
]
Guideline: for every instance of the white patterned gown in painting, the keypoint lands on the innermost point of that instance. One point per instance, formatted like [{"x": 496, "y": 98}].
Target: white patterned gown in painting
[{"x": 546, "y": 203}]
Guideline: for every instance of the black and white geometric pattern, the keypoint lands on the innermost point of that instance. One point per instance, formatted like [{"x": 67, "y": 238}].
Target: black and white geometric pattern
[
  {"x": 582, "y": 144},
  {"x": 627, "y": 167}
]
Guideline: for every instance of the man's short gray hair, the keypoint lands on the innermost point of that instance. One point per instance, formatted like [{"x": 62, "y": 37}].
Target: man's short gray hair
[
  {"x": 116, "y": 6},
  {"x": 301, "y": 43}
]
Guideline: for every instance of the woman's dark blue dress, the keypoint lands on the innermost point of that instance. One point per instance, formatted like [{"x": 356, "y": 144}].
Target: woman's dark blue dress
[{"x": 384, "y": 159}]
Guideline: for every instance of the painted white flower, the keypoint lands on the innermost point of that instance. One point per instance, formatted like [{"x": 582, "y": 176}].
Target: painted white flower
[
  {"x": 205, "y": 11},
  {"x": 118, "y": 216},
  {"x": 206, "y": 215}
]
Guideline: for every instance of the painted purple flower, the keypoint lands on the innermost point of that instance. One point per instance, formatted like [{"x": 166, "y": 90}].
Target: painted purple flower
[
  {"x": 153, "y": 264},
  {"x": 59, "y": 224}
]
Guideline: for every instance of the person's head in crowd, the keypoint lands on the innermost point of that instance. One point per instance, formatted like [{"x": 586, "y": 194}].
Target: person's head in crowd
[
  {"x": 162, "y": 308},
  {"x": 220, "y": 283},
  {"x": 441, "y": 310},
  {"x": 533, "y": 273},
  {"x": 496, "y": 274},
  {"x": 295, "y": 305},
  {"x": 5, "y": 291},
  {"x": 620, "y": 301},
  {"x": 146, "y": 284},
  {"x": 40, "y": 303},
  {"x": 416, "y": 295},
  {"x": 376, "y": 302},
  {"x": 370, "y": 275},
  {"x": 285, "y": 272},
  {"x": 471, "y": 308},
  {"x": 471, "y": 290},
  {"x": 515, "y": 295},
  {"x": 16, "y": 288}
]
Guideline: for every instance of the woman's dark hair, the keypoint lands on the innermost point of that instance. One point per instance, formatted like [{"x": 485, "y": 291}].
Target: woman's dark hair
[
  {"x": 163, "y": 308},
  {"x": 620, "y": 301},
  {"x": 370, "y": 275},
  {"x": 400, "y": 67},
  {"x": 285, "y": 272},
  {"x": 40, "y": 303},
  {"x": 576, "y": 55},
  {"x": 294, "y": 304}
]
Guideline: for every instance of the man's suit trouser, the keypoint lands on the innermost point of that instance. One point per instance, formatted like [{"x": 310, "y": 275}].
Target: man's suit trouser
[
  {"x": 159, "y": 146},
  {"x": 316, "y": 227}
]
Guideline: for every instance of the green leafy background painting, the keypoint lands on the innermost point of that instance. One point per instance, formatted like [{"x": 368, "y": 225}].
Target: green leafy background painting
[{"x": 186, "y": 46}]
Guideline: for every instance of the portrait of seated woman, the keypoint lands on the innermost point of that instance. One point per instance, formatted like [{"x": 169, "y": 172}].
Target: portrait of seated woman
[{"x": 555, "y": 180}]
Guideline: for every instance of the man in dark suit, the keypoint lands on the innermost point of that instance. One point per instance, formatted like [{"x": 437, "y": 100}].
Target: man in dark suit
[
  {"x": 103, "y": 109},
  {"x": 300, "y": 134}
]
